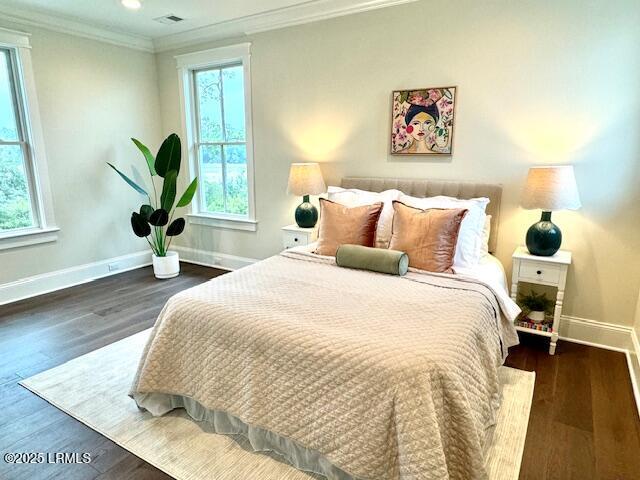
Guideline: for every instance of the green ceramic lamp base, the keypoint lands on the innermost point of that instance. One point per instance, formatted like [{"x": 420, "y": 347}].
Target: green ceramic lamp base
[
  {"x": 306, "y": 214},
  {"x": 544, "y": 237}
]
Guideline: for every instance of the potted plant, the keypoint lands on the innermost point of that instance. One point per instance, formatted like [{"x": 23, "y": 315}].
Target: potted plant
[
  {"x": 537, "y": 305},
  {"x": 154, "y": 221}
]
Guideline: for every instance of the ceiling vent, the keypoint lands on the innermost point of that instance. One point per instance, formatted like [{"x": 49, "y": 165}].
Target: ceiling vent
[{"x": 169, "y": 19}]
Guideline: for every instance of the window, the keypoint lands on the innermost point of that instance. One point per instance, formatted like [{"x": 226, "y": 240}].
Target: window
[
  {"x": 220, "y": 139},
  {"x": 24, "y": 219},
  {"x": 217, "y": 120},
  {"x": 16, "y": 205}
]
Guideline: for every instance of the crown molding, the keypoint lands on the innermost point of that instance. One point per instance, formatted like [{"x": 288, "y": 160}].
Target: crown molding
[
  {"x": 14, "y": 38},
  {"x": 74, "y": 27},
  {"x": 310, "y": 11},
  {"x": 307, "y": 12}
]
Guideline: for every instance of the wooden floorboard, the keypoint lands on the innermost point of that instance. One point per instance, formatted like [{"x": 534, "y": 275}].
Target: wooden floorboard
[
  {"x": 43, "y": 332},
  {"x": 583, "y": 422}
]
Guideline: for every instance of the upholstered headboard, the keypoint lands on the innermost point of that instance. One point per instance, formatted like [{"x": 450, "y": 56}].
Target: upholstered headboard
[{"x": 431, "y": 188}]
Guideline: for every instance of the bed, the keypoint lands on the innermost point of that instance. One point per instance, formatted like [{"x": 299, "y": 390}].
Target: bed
[{"x": 346, "y": 373}]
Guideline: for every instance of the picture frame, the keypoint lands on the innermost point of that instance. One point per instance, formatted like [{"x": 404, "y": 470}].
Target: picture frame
[{"x": 422, "y": 121}]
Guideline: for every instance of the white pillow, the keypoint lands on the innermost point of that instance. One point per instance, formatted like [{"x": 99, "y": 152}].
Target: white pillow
[
  {"x": 486, "y": 233},
  {"x": 470, "y": 238},
  {"x": 354, "y": 198}
]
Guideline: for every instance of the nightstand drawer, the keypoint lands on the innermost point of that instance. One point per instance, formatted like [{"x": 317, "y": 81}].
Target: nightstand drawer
[
  {"x": 540, "y": 272},
  {"x": 294, "y": 236},
  {"x": 294, "y": 239}
]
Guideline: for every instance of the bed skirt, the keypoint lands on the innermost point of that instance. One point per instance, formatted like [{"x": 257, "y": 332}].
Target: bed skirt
[{"x": 259, "y": 438}]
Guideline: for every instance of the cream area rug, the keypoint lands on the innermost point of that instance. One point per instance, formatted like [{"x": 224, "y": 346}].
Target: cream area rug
[{"x": 93, "y": 389}]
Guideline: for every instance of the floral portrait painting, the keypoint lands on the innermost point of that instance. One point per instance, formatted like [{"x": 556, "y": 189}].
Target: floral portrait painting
[{"x": 422, "y": 121}]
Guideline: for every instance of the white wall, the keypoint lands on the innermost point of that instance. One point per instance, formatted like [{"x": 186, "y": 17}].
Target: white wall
[
  {"x": 539, "y": 82},
  {"x": 93, "y": 97}
]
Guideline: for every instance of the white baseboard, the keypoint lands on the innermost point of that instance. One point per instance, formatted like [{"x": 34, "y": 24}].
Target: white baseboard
[
  {"x": 595, "y": 333},
  {"x": 213, "y": 259},
  {"x": 68, "y": 277}
]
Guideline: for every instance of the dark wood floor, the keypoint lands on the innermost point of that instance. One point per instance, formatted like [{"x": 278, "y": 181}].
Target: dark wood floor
[
  {"x": 42, "y": 332},
  {"x": 583, "y": 422}
]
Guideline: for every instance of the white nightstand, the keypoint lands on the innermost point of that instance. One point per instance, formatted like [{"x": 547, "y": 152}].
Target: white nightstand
[
  {"x": 293, "y": 235},
  {"x": 549, "y": 271}
]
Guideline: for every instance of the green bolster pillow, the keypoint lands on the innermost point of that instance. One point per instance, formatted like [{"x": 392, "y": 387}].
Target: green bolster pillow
[{"x": 379, "y": 260}]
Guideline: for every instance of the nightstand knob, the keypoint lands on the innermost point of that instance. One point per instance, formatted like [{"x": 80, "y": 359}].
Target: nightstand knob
[
  {"x": 295, "y": 239},
  {"x": 539, "y": 272}
]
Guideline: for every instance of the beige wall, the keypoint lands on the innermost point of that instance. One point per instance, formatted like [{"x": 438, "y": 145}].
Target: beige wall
[
  {"x": 93, "y": 97},
  {"x": 635, "y": 357},
  {"x": 538, "y": 82},
  {"x": 636, "y": 325}
]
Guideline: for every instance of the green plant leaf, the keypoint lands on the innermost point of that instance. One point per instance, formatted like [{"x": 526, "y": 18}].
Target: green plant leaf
[
  {"x": 536, "y": 302},
  {"x": 168, "y": 195},
  {"x": 148, "y": 156},
  {"x": 176, "y": 227},
  {"x": 159, "y": 218},
  {"x": 139, "y": 225},
  {"x": 146, "y": 211},
  {"x": 169, "y": 154},
  {"x": 131, "y": 183},
  {"x": 188, "y": 194}
]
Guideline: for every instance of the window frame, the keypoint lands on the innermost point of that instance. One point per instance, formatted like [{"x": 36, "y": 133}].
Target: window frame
[
  {"x": 187, "y": 65},
  {"x": 31, "y": 140}
]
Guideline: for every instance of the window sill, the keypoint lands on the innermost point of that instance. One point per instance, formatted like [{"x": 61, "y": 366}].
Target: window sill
[
  {"x": 31, "y": 236},
  {"x": 223, "y": 222}
]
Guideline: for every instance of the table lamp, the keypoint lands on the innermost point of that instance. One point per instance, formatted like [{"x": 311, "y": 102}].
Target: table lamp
[
  {"x": 306, "y": 179},
  {"x": 548, "y": 188}
]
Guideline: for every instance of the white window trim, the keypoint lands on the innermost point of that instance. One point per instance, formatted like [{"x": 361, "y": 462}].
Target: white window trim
[
  {"x": 46, "y": 230},
  {"x": 186, "y": 64},
  {"x": 220, "y": 221}
]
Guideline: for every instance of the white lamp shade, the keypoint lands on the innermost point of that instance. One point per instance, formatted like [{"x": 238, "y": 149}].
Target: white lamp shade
[
  {"x": 551, "y": 188},
  {"x": 305, "y": 179}
]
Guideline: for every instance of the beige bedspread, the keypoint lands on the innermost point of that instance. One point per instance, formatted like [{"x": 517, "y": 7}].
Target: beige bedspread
[{"x": 387, "y": 377}]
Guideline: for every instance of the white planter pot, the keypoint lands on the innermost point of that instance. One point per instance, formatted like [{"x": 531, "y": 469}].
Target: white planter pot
[
  {"x": 536, "y": 317},
  {"x": 166, "y": 267}
]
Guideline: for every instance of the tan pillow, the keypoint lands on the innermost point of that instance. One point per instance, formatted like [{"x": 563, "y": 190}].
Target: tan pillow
[
  {"x": 429, "y": 236},
  {"x": 340, "y": 225}
]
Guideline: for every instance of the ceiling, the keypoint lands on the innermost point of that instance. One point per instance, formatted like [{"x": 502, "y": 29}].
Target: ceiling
[{"x": 111, "y": 14}]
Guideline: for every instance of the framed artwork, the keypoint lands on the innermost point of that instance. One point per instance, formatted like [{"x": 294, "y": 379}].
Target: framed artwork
[{"x": 422, "y": 121}]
